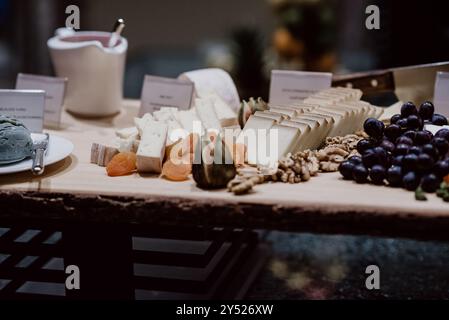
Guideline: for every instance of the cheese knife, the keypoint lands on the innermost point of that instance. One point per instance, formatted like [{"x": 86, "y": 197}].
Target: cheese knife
[
  {"x": 40, "y": 147},
  {"x": 386, "y": 87}
]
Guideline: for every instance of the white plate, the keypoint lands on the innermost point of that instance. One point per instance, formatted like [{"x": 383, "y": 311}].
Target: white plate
[{"x": 59, "y": 149}]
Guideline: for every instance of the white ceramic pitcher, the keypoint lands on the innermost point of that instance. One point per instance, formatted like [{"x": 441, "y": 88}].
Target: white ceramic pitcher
[{"x": 94, "y": 71}]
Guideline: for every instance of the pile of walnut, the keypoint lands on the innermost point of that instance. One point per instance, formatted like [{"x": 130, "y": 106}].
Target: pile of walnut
[{"x": 300, "y": 166}]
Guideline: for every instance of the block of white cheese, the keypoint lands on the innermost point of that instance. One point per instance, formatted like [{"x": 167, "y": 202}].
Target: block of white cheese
[
  {"x": 150, "y": 154},
  {"x": 141, "y": 123},
  {"x": 127, "y": 133},
  {"x": 224, "y": 112},
  {"x": 189, "y": 120},
  {"x": 319, "y": 133},
  {"x": 206, "y": 112}
]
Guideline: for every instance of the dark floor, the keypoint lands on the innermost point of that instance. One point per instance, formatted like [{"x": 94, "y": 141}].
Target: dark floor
[{"x": 305, "y": 266}]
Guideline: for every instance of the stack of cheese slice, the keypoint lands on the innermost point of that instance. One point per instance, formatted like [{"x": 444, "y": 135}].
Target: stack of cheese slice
[
  {"x": 301, "y": 126},
  {"x": 154, "y": 133}
]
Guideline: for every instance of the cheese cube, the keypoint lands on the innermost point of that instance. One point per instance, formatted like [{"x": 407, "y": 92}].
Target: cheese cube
[
  {"x": 126, "y": 133},
  {"x": 141, "y": 123},
  {"x": 150, "y": 153},
  {"x": 187, "y": 119}
]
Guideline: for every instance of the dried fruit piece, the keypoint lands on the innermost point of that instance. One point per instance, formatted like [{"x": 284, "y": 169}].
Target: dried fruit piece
[
  {"x": 177, "y": 171},
  {"x": 446, "y": 179},
  {"x": 122, "y": 164}
]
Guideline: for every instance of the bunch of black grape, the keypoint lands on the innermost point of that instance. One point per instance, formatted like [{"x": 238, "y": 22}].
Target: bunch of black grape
[{"x": 402, "y": 154}]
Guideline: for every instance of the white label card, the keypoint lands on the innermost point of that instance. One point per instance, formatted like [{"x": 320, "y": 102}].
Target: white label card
[
  {"x": 24, "y": 105},
  {"x": 160, "y": 92},
  {"x": 295, "y": 86},
  {"x": 54, "y": 94},
  {"x": 441, "y": 94}
]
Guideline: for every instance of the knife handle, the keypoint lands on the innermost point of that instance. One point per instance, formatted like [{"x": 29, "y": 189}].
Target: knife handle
[
  {"x": 38, "y": 162},
  {"x": 369, "y": 83}
]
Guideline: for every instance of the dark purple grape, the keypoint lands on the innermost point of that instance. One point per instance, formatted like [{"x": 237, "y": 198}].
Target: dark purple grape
[
  {"x": 439, "y": 120},
  {"x": 364, "y": 145},
  {"x": 441, "y": 145},
  {"x": 394, "y": 176},
  {"x": 426, "y": 110},
  {"x": 404, "y": 140},
  {"x": 395, "y": 118},
  {"x": 415, "y": 150},
  {"x": 346, "y": 168},
  {"x": 397, "y": 161},
  {"x": 356, "y": 160},
  {"x": 370, "y": 158},
  {"x": 401, "y": 149},
  {"x": 413, "y": 122},
  {"x": 443, "y": 133},
  {"x": 441, "y": 168},
  {"x": 410, "y": 162},
  {"x": 388, "y": 145},
  {"x": 402, "y": 123},
  {"x": 392, "y": 132},
  {"x": 408, "y": 109},
  {"x": 430, "y": 183},
  {"x": 410, "y": 181},
  {"x": 430, "y": 150},
  {"x": 423, "y": 137},
  {"x": 377, "y": 174},
  {"x": 360, "y": 174},
  {"x": 410, "y": 134},
  {"x": 374, "y": 128},
  {"x": 425, "y": 161}
]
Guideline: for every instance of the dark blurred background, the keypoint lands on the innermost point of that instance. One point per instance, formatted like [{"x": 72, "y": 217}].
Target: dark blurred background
[{"x": 247, "y": 38}]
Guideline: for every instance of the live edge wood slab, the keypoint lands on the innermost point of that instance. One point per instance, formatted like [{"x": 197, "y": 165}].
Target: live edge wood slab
[{"x": 74, "y": 191}]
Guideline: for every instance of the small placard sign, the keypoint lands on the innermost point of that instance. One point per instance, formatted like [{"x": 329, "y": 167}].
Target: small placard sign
[
  {"x": 160, "y": 92},
  {"x": 295, "y": 86},
  {"x": 441, "y": 94},
  {"x": 24, "y": 105},
  {"x": 54, "y": 94}
]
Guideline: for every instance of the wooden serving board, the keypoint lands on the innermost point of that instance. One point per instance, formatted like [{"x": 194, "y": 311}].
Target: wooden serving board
[{"x": 76, "y": 189}]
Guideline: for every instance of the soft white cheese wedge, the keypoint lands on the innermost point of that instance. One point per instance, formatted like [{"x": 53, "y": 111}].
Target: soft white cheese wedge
[
  {"x": 224, "y": 112},
  {"x": 150, "y": 153},
  {"x": 206, "y": 112}
]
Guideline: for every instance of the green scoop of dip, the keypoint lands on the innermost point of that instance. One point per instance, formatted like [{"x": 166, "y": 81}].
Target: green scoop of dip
[{"x": 15, "y": 140}]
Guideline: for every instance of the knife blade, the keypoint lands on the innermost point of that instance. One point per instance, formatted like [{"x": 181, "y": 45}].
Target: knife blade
[
  {"x": 386, "y": 87},
  {"x": 40, "y": 147}
]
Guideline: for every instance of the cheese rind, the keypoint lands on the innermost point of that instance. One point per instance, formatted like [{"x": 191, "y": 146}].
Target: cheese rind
[{"x": 150, "y": 153}]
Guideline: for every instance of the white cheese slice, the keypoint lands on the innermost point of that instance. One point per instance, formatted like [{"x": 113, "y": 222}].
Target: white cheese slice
[
  {"x": 224, "y": 112},
  {"x": 271, "y": 115},
  {"x": 289, "y": 112},
  {"x": 304, "y": 136},
  {"x": 319, "y": 133},
  {"x": 287, "y": 140},
  {"x": 206, "y": 112},
  {"x": 150, "y": 153},
  {"x": 256, "y": 129}
]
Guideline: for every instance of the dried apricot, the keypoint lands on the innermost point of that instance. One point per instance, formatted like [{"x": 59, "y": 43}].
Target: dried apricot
[
  {"x": 122, "y": 164},
  {"x": 177, "y": 170}
]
